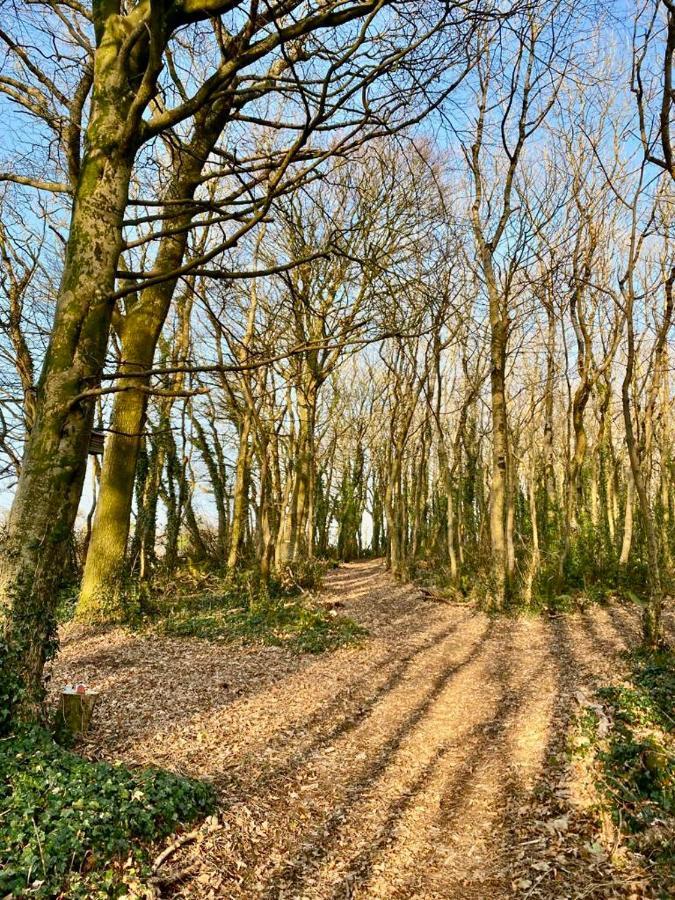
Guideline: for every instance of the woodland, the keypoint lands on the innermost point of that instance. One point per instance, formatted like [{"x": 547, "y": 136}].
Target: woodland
[{"x": 336, "y": 353}]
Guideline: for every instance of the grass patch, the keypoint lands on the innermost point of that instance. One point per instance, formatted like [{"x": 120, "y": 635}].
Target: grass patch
[
  {"x": 281, "y": 613},
  {"x": 273, "y": 621},
  {"x": 68, "y": 824}
]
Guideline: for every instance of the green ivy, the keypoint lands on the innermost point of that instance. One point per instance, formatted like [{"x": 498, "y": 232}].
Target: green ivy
[
  {"x": 64, "y": 820},
  {"x": 639, "y": 760},
  {"x": 638, "y": 757}
]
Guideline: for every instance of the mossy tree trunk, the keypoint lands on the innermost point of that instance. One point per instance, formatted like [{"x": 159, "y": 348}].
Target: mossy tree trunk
[
  {"x": 54, "y": 463},
  {"x": 139, "y": 333}
]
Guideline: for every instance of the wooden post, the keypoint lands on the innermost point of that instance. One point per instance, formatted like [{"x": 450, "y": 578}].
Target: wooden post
[{"x": 76, "y": 708}]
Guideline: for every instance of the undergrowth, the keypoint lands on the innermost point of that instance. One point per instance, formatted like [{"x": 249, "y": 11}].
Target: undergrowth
[
  {"x": 74, "y": 828},
  {"x": 635, "y": 760},
  {"x": 590, "y": 574},
  {"x": 278, "y": 612},
  {"x": 194, "y": 602}
]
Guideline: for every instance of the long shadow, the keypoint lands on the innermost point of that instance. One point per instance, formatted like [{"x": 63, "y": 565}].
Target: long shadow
[
  {"x": 608, "y": 647},
  {"x": 365, "y": 708},
  {"x": 344, "y": 575},
  {"x": 528, "y": 832},
  {"x": 626, "y": 623},
  {"x": 569, "y": 666},
  {"x": 352, "y": 688},
  {"x": 415, "y": 607},
  {"x": 327, "y": 831},
  {"x": 354, "y": 594},
  {"x": 461, "y": 782},
  {"x": 553, "y": 753},
  {"x": 348, "y": 722},
  {"x": 574, "y": 877},
  {"x": 296, "y": 876}
]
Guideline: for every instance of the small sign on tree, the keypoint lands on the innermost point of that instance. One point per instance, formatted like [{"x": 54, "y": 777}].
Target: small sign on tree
[{"x": 96, "y": 442}]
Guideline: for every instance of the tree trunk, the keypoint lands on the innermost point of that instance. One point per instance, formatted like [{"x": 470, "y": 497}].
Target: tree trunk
[
  {"x": 48, "y": 493},
  {"x": 499, "y": 485},
  {"x": 145, "y": 315},
  {"x": 535, "y": 557},
  {"x": 241, "y": 491},
  {"x": 99, "y": 591},
  {"x": 651, "y": 618},
  {"x": 392, "y": 508},
  {"x": 627, "y": 522}
]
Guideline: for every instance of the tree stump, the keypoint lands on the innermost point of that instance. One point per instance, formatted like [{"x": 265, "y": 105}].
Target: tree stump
[{"x": 76, "y": 708}]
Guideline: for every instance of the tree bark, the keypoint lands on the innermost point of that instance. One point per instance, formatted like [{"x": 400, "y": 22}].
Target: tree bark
[
  {"x": 142, "y": 325},
  {"x": 241, "y": 490},
  {"x": 47, "y": 496}
]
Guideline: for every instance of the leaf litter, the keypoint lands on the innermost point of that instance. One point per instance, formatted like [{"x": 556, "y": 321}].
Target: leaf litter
[{"x": 431, "y": 761}]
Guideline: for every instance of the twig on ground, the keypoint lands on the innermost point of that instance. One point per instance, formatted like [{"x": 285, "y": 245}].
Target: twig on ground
[
  {"x": 184, "y": 839},
  {"x": 434, "y": 597},
  {"x": 174, "y": 877}
]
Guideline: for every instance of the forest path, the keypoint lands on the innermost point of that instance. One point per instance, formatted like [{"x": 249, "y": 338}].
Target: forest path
[{"x": 424, "y": 763}]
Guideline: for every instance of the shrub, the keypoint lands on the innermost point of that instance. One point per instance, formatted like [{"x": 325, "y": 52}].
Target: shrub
[{"x": 302, "y": 574}]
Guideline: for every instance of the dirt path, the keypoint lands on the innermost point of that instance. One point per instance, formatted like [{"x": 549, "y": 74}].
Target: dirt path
[{"x": 426, "y": 763}]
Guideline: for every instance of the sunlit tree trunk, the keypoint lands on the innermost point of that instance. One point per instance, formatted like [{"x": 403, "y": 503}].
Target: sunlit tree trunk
[
  {"x": 392, "y": 508},
  {"x": 48, "y": 493},
  {"x": 549, "y": 451},
  {"x": 627, "y": 540},
  {"x": 420, "y": 485},
  {"x": 535, "y": 553},
  {"x": 141, "y": 327}
]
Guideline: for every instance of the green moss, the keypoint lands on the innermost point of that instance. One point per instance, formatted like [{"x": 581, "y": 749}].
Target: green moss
[{"x": 65, "y": 821}]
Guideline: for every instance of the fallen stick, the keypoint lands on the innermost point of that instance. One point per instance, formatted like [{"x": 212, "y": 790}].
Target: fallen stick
[
  {"x": 171, "y": 849},
  {"x": 172, "y": 878},
  {"x": 436, "y": 598}
]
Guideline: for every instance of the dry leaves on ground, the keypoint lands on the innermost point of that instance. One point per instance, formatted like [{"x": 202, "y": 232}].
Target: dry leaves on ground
[{"x": 428, "y": 762}]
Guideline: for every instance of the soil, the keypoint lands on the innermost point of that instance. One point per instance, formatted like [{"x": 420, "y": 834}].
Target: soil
[{"x": 428, "y": 761}]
